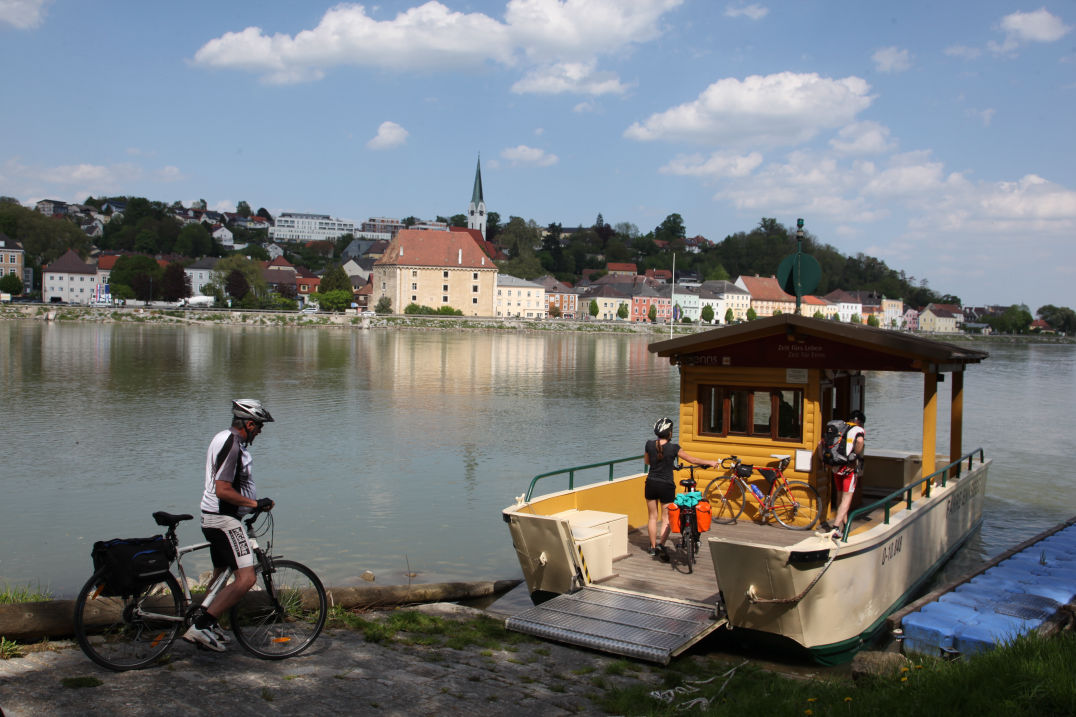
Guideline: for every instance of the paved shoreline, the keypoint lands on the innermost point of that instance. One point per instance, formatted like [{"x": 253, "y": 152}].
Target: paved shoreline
[{"x": 341, "y": 673}]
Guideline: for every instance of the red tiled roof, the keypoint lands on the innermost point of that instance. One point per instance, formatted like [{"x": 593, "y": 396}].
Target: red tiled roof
[
  {"x": 612, "y": 266},
  {"x": 106, "y": 262},
  {"x": 414, "y": 247},
  {"x": 765, "y": 288}
]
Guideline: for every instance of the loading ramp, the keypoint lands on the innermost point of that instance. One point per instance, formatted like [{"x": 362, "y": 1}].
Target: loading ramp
[{"x": 621, "y": 623}]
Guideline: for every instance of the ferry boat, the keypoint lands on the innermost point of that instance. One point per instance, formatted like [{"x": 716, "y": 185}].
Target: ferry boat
[{"x": 762, "y": 391}]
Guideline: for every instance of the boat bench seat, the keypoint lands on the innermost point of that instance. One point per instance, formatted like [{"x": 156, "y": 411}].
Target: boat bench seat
[{"x": 586, "y": 523}]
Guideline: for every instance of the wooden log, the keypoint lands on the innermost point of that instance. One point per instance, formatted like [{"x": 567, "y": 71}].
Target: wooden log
[{"x": 54, "y": 619}]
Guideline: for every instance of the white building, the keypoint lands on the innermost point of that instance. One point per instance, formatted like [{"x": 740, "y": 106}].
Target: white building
[
  {"x": 293, "y": 227},
  {"x": 519, "y": 298},
  {"x": 69, "y": 279}
]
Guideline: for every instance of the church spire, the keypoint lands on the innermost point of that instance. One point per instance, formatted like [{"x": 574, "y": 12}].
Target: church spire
[{"x": 476, "y": 210}]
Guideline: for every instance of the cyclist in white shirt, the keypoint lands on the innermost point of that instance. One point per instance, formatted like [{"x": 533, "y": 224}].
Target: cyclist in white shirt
[{"x": 229, "y": 493}]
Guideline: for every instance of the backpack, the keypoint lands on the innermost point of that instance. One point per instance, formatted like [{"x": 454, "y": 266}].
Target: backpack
[
  {"x": 130, "y": 565},
  {"x": 834, "y": 443}
]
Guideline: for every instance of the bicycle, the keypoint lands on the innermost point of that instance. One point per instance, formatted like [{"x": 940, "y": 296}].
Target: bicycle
[
  {"x": 794, "y": 504},
  {"x": 279, "y": 617},
  {"x": 689, "y": 519}
]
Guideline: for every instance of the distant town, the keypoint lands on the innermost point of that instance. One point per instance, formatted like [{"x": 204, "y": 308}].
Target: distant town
[{"x": 113, "y": 250}]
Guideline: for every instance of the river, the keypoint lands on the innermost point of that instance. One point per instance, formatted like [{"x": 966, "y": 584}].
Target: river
[{"x": 394, "y": 451}]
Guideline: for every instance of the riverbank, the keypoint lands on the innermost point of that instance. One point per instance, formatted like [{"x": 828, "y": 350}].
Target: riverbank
[
  {"x": 229, "y": 317},
  {"x": 448, "y": 659}
]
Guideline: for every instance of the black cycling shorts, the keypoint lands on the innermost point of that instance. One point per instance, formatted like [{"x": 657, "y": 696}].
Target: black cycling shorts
[{"x": 660, "y": 491}]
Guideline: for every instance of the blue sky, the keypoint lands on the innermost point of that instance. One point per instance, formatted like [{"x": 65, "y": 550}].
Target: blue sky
[{"x": 937, "y": 136}]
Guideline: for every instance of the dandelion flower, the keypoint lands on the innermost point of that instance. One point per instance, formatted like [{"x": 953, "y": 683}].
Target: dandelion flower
[
  {"x": 808, "y": 712},
  {"x": 904, "y": 669},
  {"x": 847, "y": 699},
  {"x": 812, "y": 699},
  {"x": 903, "y": 679}
]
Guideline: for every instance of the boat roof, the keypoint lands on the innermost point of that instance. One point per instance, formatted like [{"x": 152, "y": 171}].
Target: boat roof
[{"x": 792, "y": 341}]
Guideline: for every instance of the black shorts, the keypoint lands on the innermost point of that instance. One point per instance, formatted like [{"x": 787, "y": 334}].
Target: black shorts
[{"x": 659, "y": 490}]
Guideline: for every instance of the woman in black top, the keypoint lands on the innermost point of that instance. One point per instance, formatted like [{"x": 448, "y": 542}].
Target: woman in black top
[{"x": 660, "y": 487}]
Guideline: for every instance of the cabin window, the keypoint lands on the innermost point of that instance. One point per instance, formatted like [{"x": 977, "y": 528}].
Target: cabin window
[{"x": 776, "y": 414}]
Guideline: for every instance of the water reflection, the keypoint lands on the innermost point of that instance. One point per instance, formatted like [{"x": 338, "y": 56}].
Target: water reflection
[{"x": 396, "y": 450}]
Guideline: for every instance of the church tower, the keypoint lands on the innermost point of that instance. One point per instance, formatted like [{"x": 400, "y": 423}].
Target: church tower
[{"x": 476, "y": 210}]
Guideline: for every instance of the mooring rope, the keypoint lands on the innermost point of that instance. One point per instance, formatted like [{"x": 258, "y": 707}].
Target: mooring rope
[{"x": 689, "y": 687}]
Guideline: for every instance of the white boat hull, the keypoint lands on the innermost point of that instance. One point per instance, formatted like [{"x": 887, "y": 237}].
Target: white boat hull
[{"x": 870, "y": 576}]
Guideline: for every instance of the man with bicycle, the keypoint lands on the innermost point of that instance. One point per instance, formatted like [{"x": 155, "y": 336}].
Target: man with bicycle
[{"x": 229, "y": 493}]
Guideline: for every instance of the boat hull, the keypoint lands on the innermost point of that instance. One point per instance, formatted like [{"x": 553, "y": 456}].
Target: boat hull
[{"x": 832, "y": 597}]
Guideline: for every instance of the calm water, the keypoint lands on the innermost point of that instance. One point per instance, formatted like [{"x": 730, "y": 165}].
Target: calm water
[{"x": 395, "y": 451}]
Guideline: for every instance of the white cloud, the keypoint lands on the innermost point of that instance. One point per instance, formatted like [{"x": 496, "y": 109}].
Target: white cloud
[
  {"x": 1021, "y": 28},
  {"x": 522, "y": 155},
  {"x": 169, "y": 174},
  {"x": 863, "y": 138},
  {"x": 389, "y": 135},
  {"x": 753, "y": 11},
  {"x": 556, "y": 38},
  {"x": 23, "y": 14},
  {"x": 964, "y": 52},
  {"x": 891, "y": 60},
  {"x": 717, "y": 165},
  {"x": 575, "y": 77},
  {"x": 772, "y": 110},
  {"x": 585, "y": 106}
]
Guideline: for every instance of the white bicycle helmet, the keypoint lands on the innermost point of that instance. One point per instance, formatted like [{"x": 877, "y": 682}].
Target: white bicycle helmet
[
  {"x": 252, "y": 409},
  {"x": 663, "y": 426}
]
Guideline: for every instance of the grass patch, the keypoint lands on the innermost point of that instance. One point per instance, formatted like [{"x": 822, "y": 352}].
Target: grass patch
[
  {"x": 9, "y": 649},
  {"x": 413, "y": 627},
  {"x": 1031, "y": 676},
  {"x": 11, "y": 595}
]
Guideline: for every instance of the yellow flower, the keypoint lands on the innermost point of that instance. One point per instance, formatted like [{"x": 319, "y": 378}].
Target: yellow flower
[
  {"x": 918, "y": 667},
  {"x": 847, "y": 699},
  {"x": 808, "y": 712},
  {"x": 903, "y": 679},
  {"x": 812, "y": 699},
  {"x": 904, "y": 669}
]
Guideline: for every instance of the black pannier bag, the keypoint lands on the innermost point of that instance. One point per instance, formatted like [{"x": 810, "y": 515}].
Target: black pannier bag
[{"x": 131, "y": 564}]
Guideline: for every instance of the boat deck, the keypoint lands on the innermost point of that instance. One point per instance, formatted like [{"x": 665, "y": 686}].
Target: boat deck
[{"x": 640, "y": 573}]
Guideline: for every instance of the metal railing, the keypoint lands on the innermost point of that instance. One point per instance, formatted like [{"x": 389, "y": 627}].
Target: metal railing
[
  {"x": 571, "y": 473},
  {"x": 907, "y": 490}
]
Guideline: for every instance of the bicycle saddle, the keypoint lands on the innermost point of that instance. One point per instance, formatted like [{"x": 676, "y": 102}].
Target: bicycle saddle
[{"x": 168, "y": 520}]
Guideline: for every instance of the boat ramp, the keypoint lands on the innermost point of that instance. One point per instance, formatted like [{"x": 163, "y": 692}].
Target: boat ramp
[{"x": 1030, "y": 587}]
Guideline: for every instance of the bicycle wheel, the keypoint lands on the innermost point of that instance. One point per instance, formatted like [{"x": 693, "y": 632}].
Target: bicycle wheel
[
  {"x": 126, "y": 633},
  {"x": 796, "y": 505},
  {"x": 726, "y": 500},
  {"x": 282, "y": 614},
  {"x": 687, "y": 540}
]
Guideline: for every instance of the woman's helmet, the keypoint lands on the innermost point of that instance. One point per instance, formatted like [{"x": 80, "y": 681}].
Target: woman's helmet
[
  {"x": 663, "y": 428},
  {"x": 250, "y": 409}
]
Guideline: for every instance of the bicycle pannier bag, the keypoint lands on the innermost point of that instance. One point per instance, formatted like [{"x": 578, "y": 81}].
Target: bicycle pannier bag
[
  {"x": 674, "y": 518},
  {"x": 702, "y": 515},
  {"x": 131, "y": 564}
]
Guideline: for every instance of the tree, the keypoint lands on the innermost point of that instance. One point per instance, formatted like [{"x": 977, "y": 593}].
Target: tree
[
  {"x": 707, "y": 313},
  {"x": 593, "y": 310},
  {"x": 857, "y": 319},
  {"x": 818, "y": 314},
  {"x": 384, "y": 305},
  {"x": 672, "y": 231},
  {"x": 1014, "y": 320},
  {"x": 493, "y": 225},
  {"x": 652, "y": 313},
  {"x": 194, "y": 240},
  {"x": 242, "y": 209},
  {"x": 250, "y": 270},
  {"x": 1060, "y": 318},
  {"x": 10, "y": 284},
  {"x": 622, "y": 311},
  {"x": 175, "y": 283},
  {"x": 752, "y": 314},
  {"x": 141, "y": 273},
  {"x": 236, "y": 285},
  {"x": 872, "y": 320},
  {"x": 335, "y": 279},
  {"x": 730, "y": 315},
  {"x": 264, "y": 214},
  {"x": 554, "y": 312},
  {"x": 334, "y": 300}
]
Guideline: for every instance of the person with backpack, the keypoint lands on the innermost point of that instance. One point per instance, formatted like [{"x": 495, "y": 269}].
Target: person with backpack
[
  {"x": 228, "y": 495},
  {"x": 842, "y": 450},
  {"x": 660, "y": 487}
]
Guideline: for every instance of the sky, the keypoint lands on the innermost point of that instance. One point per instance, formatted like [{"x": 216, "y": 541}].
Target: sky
[{"x": 936, "y": 136}]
